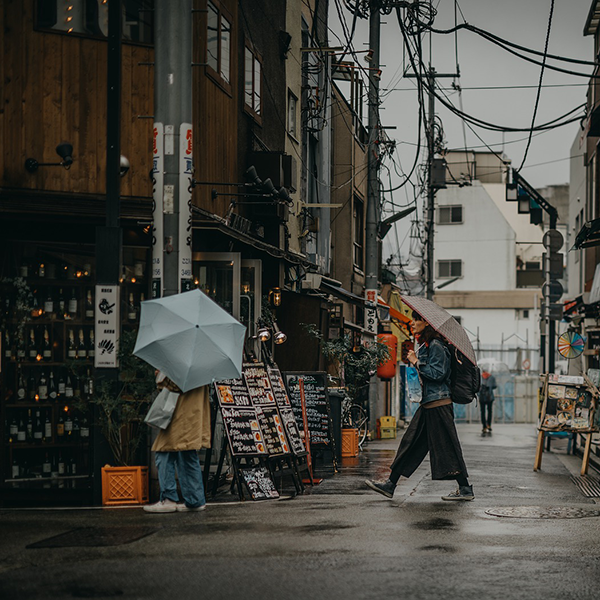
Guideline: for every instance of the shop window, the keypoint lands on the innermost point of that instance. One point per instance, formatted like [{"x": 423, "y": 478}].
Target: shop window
[
  {"x": 292, "y": 114},
  {"x": 358, "y": 218},
  {"x": 450, "y": 214},
  {"x": 449, "y": 268},
  {"x": 90, "y": 18},
  {"x": 217, "y": 274},
  {"x": 218, "y": 43},
  {"x": 252, "y": 83}
]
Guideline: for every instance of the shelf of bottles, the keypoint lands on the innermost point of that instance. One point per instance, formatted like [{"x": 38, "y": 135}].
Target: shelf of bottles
[{"x": 47, "y": 353}]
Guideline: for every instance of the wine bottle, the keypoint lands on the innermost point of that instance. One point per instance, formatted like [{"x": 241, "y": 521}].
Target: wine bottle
[
  {"x": 24, "y": 269},
  {"x": 52, "y": 391},
  {"x": 71, "y": 349},
  {"x": 21, "y": 350},
  {"x": 81, "y": 347},
  {"x": 46, "y": 466},
  {"x": 89, "y": 305},
  {"x": 32, "y": 387},
  {"x": 68, "y": 426},
  {"x": 60, "y": 427},
  {"x": 49, "y": 304},
  {"x": 54, "y": 468},
  {"x": 92, "y": 345},
  {"x": 30, "y": 434},
  {"x": 69, "y": 387},
  {"x": 8, "y": 352},
  {"x": 76, "y": 428},
  {"x": 61, "y": 304},
  {"x": 15, "y": 468},
  {"x": 46, "y": 346},
  {"x": 47, "y": 428},
  {"x": 42, "y": 271},
  {"x": 72, "y": 466},
  {"x": 85, "y": 429},
  {"x": 73, "y": 305},
  {"x": 22, "y": 431},
  {"x": 131, "y": 310},
  {"x": 61, "y": 385},
  {"x": 32, "y": 348},
  {"x": 13, "y": 430},
  {"x": 61, "y": 464},
  {"x": 21, "y": 387},
  {"x": 36, "y": 310},
  {"x": 38, "y": 430},
  {"x": 43, "y": 387}
]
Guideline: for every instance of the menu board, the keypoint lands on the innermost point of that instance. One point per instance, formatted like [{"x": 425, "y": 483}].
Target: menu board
[
  {"x": 240, "y": 419},
  {"x": 286, "y": 412},
  {"x": 259, "y": 386},
  {"x": 317, "y": 404},
  {"x": 259, "y": 482},
  {"x": 567, "y": 407}
]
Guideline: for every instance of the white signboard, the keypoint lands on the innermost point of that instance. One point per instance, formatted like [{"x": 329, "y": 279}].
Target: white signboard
[
  {"x": 186, "y": 171},
  {"x": 371, "y": 313},
  {"x": 106, "y": 330},
  {"x": 158, "y": 168}
]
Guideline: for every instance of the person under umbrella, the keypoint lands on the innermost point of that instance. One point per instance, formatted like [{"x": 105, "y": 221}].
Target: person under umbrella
[{"x": 432, "y": 428}]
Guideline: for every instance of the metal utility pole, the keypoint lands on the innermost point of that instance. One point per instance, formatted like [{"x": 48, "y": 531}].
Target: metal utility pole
[
  {"x": 371, "y": 246},
  {"x": 173, "y": 159},
  {"x": 430, "y": 189}
]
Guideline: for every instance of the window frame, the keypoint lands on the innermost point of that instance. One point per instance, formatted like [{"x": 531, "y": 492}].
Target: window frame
[
  {"x": 450, "y": 263},
  {"x": 358, "y": 226},
  {"x": 450, "y": 208},
  {"x": 292, "y": 132},
  {"x": 217, "y": 75},
  {"x": 256, "y": 58}
]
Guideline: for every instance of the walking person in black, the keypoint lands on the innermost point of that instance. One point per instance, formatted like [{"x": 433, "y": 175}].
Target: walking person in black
[
  {"x": 486, "y": 400},
  {"x": 432, "y": 427}
]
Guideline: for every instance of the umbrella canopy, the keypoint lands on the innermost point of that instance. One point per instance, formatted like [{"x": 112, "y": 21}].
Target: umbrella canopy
[
  {"x": 444, "y": 323},
  {"x": 191, "y": 339}
]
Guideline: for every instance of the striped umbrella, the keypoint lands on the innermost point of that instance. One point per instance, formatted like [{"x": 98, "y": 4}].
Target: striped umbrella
[{"x": 444, "y": 323}]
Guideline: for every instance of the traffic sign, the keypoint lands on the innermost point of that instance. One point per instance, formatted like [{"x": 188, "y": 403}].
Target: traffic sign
[
  {"x": 553, "y": 291},
  {"x": 553, "y": 240}
]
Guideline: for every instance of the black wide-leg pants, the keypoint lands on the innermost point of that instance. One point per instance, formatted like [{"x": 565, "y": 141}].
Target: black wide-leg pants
[{"x": 431, "y": 430}]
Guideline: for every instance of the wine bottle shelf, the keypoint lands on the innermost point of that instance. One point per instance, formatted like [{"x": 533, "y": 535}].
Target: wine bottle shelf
[
  {"x": 41, "y": 479},
  {"x": 46, "y": 445}
]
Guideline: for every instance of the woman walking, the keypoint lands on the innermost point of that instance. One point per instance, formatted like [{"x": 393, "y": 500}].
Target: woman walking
[{"x": 432, "y": 427}]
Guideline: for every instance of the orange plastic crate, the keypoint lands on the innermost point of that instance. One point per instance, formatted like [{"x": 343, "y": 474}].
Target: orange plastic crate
[
  {"x": 349, "y": 443},
  {"x": 124, "y": 485}
]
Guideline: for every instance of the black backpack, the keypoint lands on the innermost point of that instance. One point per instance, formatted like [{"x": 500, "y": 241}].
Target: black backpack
[{"x": 465, "y": 378}]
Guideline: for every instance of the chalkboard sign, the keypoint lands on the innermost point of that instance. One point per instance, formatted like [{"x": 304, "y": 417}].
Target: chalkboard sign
[
  {"x": 272, "y": 428},
  {"x": 286, "y": 412},
  {"x": 260, "y": 484},
  {"x": 258, "y": 384},
  {"x": 241, "y": 422},
  {"x": 317, "y": 404}
]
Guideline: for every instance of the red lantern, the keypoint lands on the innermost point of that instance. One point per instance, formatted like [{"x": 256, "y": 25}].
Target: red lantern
[{"x": 387, "y": 370}]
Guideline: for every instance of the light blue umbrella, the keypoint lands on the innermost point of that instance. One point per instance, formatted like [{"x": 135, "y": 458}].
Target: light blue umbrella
[{"x": 191, "y": 339}]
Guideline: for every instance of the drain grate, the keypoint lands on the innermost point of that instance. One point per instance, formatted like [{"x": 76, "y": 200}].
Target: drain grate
[
  {"x": 96, "y": 536},
  {"x": 587, "y": 485},
  {"x": 543, "y": 512}
]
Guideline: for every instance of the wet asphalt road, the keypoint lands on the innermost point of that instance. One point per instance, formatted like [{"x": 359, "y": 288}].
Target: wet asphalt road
[{"x": 340, "y": 541}]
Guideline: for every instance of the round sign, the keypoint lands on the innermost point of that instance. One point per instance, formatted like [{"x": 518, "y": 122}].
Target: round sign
[
  {"x": 553, "y": 240},
  {"x": 527, "y": 364},
  {"x": 570, "y": 344},
  {"x": 553, "y": 290}
]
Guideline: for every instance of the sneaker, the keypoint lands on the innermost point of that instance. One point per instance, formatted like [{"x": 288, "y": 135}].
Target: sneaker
[
  {"x": 164, "y": 506},
  {"x": 463, "y": 493},
  {"x": 385, "y": 487},
  {"x": 184, "y": 508}
]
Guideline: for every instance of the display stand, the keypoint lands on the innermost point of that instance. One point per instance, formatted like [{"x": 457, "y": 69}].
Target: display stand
[{"x": 569, "y": 405}]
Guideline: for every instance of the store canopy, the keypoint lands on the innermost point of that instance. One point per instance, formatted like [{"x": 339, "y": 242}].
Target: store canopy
[
  {"x": 588, "y": 236},
  {"x": 343, "y": 294}
]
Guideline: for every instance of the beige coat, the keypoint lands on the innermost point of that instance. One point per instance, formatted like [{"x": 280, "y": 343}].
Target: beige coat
[{"x": 190, "y": 427}]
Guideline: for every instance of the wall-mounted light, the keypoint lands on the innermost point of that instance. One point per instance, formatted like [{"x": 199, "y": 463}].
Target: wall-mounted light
[
  {"x": 275, "y": 296},
  {"x": 278, "y": 336},
  {"x": 64, "y": 150},
  {"x": 263, "y": 334}
]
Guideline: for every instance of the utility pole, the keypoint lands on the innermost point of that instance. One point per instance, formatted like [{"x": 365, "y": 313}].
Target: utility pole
[
  {"x": 371, "y": 245},
  {"x": 173, "y": 149}
]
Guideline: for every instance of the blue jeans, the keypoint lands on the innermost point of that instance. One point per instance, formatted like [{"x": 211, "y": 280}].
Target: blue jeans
[{"x": 188, "y": 472}]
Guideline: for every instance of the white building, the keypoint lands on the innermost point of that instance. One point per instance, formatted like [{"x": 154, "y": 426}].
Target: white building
[{"x": 488, "y": 261}]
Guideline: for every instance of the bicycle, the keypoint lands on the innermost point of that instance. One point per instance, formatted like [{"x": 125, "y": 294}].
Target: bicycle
[{"x": 354, "y": 416}]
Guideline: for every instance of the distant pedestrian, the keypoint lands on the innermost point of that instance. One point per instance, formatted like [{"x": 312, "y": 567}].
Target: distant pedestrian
[
  {"x": 432, "y": 427},
  {"x": 486, "y": 400},
  {"x": 176, "y": 449}
]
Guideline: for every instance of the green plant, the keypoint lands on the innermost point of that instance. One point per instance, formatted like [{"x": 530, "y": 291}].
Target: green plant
[
  {"x": 354, "y": 365},
  {"x": 122, "y": 405}
]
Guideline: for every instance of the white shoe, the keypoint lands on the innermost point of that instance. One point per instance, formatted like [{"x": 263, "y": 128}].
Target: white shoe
[
  {"x": 184, "y": 508},
  {"x": 164, "y": 506}
]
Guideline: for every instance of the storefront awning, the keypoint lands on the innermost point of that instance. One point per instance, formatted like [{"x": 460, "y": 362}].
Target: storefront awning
[
  {"x": 343, "y": 294},
  {"x": 588, "y": 236}
]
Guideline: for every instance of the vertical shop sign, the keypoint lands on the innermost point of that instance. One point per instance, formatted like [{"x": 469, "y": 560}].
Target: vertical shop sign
[
  {"x": 106, "y": 327},
  {"x": 186, "y": 166},
  {"x": 158, "y": 162},
  {"x": 371, "y": 313}
]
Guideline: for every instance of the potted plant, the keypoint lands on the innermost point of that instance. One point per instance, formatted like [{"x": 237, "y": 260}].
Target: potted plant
[{"x": 119, "y": 408}]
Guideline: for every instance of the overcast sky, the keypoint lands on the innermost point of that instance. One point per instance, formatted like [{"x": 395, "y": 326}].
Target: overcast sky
[{"x": 483, "y": 64}]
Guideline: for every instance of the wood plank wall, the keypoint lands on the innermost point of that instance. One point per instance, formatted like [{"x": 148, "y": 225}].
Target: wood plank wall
[{"x": 54, "y": 90}]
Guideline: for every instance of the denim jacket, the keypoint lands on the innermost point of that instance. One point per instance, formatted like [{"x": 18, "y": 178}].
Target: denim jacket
[{"x": 434, "y": 368}]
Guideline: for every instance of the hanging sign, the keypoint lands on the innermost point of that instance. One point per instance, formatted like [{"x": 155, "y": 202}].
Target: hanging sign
[
  {"x": 186, "y": 169},
  {"x": 371, "y": 313},
  {"x": 158, "y": 169},
  {"x": 106, "y": 328}
]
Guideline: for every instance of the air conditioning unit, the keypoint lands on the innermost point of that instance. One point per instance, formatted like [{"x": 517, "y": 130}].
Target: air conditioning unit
[
  {"x": 312, "y": 281},
  {"x": 277, "y": 166}
]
